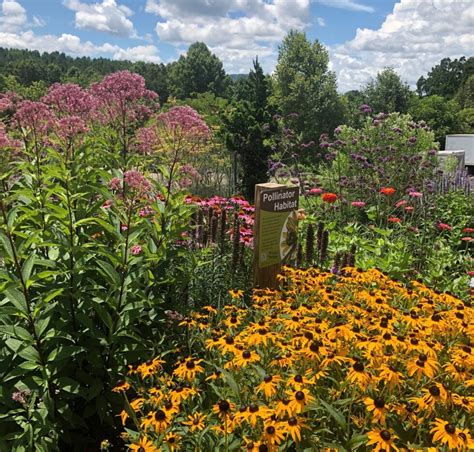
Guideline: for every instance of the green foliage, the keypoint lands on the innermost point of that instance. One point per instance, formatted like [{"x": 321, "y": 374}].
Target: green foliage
[
  {"x": 446, "y": 78},
  {"x": 441, "y": 115},
  {"x": 245, "y": 130},
  {"x": 197, "y": 72},
  {"x": 465, "y": 95},
  {"x": 387, "y": 93},
  {"x": 303, "y": 84}
]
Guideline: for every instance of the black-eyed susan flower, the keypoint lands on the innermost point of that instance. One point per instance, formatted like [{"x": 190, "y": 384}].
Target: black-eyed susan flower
[
  {"x": 121, "y": 387},
  {"x": 377, "y": 407},
  {"x": 172, "y": 440},
  {"x": 293, "y": 426},
  {"x": 422, "y": 365},
  {"x": 269, "y": 385},
  {"x": 223, "y": 408},
  {"x": 244, "y": 358},
  {"x": 358, "y": 374},
  {"x": 236, "y": 293},
  {"x": 188, "y": 369},
  {"x": 382, "y": 440},
  {"x": 144, "y": 444},
  {"x": 156, "y": 420},
  {"x": 445, "y": 433},
  {"x": 299, "y": 400},
  {"x": 273, "y": 432},
  {"x": 195, "y": 422}
]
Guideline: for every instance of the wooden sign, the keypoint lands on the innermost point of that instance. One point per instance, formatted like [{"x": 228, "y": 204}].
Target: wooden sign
[{"x": 275, "y": 231}]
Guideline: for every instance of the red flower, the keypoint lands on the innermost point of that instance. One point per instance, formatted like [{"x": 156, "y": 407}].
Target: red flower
[
  {"x": 409, "y": 209},
  {"x": 388, "y": 191},
  {"x": 468, "y": 230},
  {"x": 315, "y": 191},
  {"x": 444, "y": 227},
  {"x": 467, "y": 239},
  {"x": 470, "y": 273},
  {"x": 394, "y": 220},
  {"x": 329, "y": 197}
]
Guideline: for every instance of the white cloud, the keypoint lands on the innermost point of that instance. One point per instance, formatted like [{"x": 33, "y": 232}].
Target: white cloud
[
  {"x": 320, "y": 21},
  {"x": 236, "y": 30},
  {"x": 13, "y": 16},
  {"x": 412, "y": 39},
  {"x": 147, "y": 53},
  {"x": 107, "y": 16},
  {"x": 350, "y": 5}
]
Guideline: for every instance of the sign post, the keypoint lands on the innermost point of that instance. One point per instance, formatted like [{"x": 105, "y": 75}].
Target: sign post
[{"x": 275, "y": 231}]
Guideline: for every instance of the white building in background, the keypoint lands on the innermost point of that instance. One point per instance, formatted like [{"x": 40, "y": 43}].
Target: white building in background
[{"x": 457, "y": 143}]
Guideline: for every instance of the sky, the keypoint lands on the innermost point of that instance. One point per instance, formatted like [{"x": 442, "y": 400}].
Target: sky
[{"x": 362, "y": 36}]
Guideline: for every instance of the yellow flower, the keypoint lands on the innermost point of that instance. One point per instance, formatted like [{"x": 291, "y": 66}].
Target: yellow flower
[
  {"x": 143, "y": 445},
  {"x": 377, "y": 407},
  {"x": 445, "y": 433},
  {"x": 381, "y": 440},
  {"x": 269, "y": 385},
  {"x": 189, "y": 368},
  {"x": 195, "y": 421},
  {"x": 299, "y": 400},
  {"x": 236, "y": 293},
  {"x": 293, "y": 426},
  {"x": 121, "y": 387}
]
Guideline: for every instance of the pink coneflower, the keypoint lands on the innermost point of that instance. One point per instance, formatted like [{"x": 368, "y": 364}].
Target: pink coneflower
[
  {"x": 415, "y": 194},
  {"x": 315, "y": 191},
  {"x": 468, "y": 230},
  {"x": 401, "y": 203},
  {"x": 467, "y": 239},
  {"x": 409, "y": 209},
  {"x": 470, "y": 273},
  {"x": 358, "y": 204},
  {"x": 444, "y": 227},
  {"x": 136, "y": 249}
]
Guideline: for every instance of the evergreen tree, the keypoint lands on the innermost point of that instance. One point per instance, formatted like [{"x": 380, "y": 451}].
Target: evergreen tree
[{"x": 245, "y": 130}]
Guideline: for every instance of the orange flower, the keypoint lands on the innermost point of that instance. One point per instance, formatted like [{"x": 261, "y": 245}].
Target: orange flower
[
  {"x": 329, "y": 197},
  {"x": 389, "y": 191},
  {"x": 394, "y": 220}
]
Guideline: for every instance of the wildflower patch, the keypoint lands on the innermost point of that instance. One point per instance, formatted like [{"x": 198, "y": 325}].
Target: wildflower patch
[{"x": 354, "y": 360}]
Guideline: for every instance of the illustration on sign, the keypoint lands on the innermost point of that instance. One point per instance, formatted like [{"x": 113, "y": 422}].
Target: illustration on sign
[{"x": 278, "y": 225}]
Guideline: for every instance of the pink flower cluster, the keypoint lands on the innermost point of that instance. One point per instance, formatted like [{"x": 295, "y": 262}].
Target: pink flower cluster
[
  {"x": 186, "y": 120},
  {"x": 71, "y": 100}
]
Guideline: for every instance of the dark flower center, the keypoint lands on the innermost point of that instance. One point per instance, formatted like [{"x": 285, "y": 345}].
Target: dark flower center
[
  {"x": 270, "y": 430},
  {"x": 299, "y": 395},
  {"x": 253, "y": 408},
  {"x": 387, "y": 336},
  {"x": 224, "y": 405},
  {"x": 233, "y": 319},
  {"x": 292, "y": 421},
  {"x": 268, "y": 379},
  {"x": 298, "y": 378},
  {"x": 434, "y": 391},
  {"x": 450, "y": 428},
  {"x": 379, "y": 402},
  {"x": 385, "y": 435},
  {"x": 246, "y": 354},
  {"x": 160, "y": 415},
  {"x": 358, "y": 366},
  {"x": 423, "y": 357},
  {"x": 414, "y": 341},
  {"x": 314, "y": 347},
  {"x": 229, "y": 340},
  {"x": 190, "y": 365},
  {"x": 263, "y": 448},
  {"x": 420, "y": 363}
]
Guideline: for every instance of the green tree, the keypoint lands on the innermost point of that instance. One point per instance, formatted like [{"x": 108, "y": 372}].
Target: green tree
[
  {"x": 197, "y": 72},
  {"x": 441, "y": 115},
  {"x": 466, "y": 117},
  {"x": 303, "y": 84},
  {"x": 245, "y": 133},
  {"x": 445, "y": 78},
  {"x": 387, "y": 93},
  {"x": 465, "y": 95}
]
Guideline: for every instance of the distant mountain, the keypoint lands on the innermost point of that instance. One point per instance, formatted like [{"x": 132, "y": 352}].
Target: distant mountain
[{"x": 236, "y": 77}]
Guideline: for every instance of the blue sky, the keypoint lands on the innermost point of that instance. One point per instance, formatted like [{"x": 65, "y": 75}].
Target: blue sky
[{"x": 362, "y": 36}]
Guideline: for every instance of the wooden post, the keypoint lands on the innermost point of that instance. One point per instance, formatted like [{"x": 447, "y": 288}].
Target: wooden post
[{"x": 275, "y": 231}]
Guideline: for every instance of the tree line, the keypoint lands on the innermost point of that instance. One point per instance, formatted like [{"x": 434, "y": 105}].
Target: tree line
[{"x": 302, "y": 90}]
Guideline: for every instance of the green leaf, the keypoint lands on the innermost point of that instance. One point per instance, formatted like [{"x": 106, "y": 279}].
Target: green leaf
[
  {"x": 30, "y": 354},
  {"x": 109, "y": 272},
  {"x": 337, "y": 415},
  {"x": 28, "y": 267},
  {"x": 355, "y": 442},
  {"x": 17, "y": 299},
  {"x": 6, "y": 245}
]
